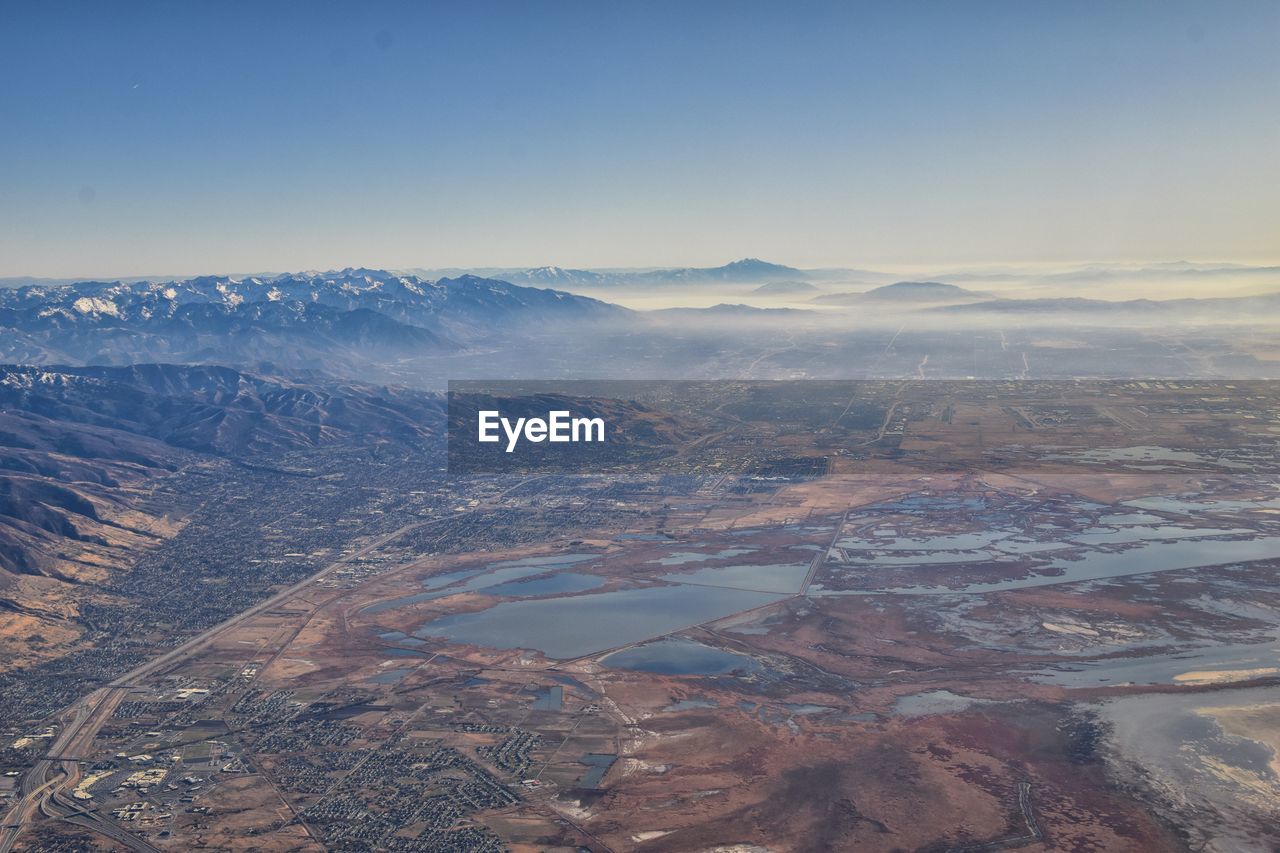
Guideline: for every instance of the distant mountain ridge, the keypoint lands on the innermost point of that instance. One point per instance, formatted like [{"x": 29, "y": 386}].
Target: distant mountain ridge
[
  {"x": 921, "y": 291},
  {"x": 904, "y": 292},
  {"x": 746, "y": 270},
  {"x": 1226, "y": 307},
  {"x": 730, "y": 311},
  {"x": 784, "y": 288}
]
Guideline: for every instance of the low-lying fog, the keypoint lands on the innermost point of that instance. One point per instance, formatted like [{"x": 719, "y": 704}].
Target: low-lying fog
[{"x": 824, "y": 290}]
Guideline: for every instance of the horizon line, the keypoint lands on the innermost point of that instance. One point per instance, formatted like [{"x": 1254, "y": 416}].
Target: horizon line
[{"x": 939, "y": 268}]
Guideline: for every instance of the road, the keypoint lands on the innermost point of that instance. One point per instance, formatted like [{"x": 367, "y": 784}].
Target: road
[
  {"x": 86, "y": 716},
  {"x": 888, "y": 415},
  {"x": 39, "y": 790}
]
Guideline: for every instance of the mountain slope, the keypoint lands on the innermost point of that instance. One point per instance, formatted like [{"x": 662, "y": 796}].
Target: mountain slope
[{"x": 213, "y": 409}]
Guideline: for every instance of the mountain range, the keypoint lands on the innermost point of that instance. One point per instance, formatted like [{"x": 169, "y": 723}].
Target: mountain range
[
  {"x": 304, "y": 319},
  {"x": 393, "y": 327}
]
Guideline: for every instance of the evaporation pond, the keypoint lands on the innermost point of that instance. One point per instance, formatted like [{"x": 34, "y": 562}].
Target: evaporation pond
[
  {"x": 579, "y": 625},
  {"x": 599, "y": 764},
  {"x": 549, "y": 698}
]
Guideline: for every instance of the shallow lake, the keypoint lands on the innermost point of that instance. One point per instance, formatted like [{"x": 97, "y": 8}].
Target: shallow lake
[
  {"x": 1192, "y": 506},
  {"x": 1142, "y": 456},
  {"x": 494, "y": 574},
  {"x": 564, "y": 582},
  {"x": 681, "y": 557},
  {"x": 934, "y": 702},
  {"x": 948, "y": 542},
  {"x": 390, "y": 676},
  {"x": 680, "y": 657},
  {"x": 1126, "y": 535},
  {"x": 777, "y": 577},
  {"x": 1161, "y": 668},
  {"x": 1159, "y": 556}
]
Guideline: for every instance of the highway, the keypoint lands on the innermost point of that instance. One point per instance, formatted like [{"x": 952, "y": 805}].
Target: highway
[
  {"x": 42, "y": 792},
  {"x": 86, "y": 716}
]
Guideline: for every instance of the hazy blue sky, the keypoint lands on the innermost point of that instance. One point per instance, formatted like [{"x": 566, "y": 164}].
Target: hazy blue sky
[{"x": 185, "y": 137}]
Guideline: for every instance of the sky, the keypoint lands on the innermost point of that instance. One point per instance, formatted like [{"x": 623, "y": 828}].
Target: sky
[{"x": 189, "y": 137}]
